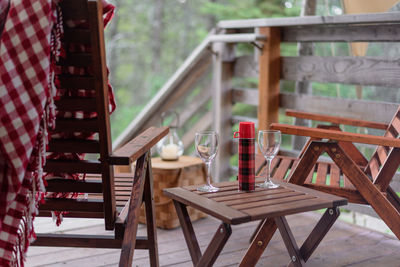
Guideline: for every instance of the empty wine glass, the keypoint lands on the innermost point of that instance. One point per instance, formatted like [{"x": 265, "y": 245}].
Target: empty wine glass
[
  {"x": 269, "y": 142},
  {"x": 207, "y": 146}
]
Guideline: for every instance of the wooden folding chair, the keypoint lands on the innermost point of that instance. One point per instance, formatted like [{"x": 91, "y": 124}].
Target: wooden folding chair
[
  {"x": 117, "y": 198},
  {"x": 350, "y": 174}
]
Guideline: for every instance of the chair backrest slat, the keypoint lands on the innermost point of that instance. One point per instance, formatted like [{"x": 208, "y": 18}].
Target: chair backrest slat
[
  {"x": 74, "y": 10},
  {"x": 81, "y": 60},
  {"x": 80, "y": 205},
  {"x": 74, "y": 145},
  {"x": 86, "y": 83},
  {"x": 381, "y": 153},
  {"x": 396, "y": 123},
  {"x": 76, "y": 104},
  {"x": 68, "y": 185},
  {"x": 77, "y": 125},
  {"x": 73, "y": 166},
  {"x": 77, "y": 35}
]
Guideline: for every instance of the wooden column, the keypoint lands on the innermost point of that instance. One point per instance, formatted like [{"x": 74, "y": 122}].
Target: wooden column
[
  {"x": 223, "y": 61},
  {"x": 304, "y": 87},
  {"x": 269, "y": 76}
]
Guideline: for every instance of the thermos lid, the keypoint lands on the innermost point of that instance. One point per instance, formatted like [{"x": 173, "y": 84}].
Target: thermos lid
[{"x": 246, "y": 130}]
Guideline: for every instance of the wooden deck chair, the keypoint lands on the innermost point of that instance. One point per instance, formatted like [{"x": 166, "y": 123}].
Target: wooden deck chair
[
  {"x": 117, "y": 198},
  {"x": 349, "y": 175}
]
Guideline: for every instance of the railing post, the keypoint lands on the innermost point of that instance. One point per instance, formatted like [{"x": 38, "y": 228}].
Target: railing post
[
  {"x": 269, "y": 76},
  {"x": 223, "y": 61},
  {"x": 304, "y": 87}
]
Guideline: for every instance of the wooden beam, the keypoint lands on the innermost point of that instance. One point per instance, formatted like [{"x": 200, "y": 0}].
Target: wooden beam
[
  {"x": 245, "y": 96},
  {"x": 246, "y": 67},
  {"x": 303, "y": 87},
  {"x": 269, "y": 76},
  {"x": 248, "y": 96},
  {"x": 370, "y": 18},
  {"x": 336, "y": 135},
  {"x": 237, "y": 38},
  {"x": 351, "y": 108},
  {"x": 340, "y": 33},
  {"x": 336, "y": 119},
  {"x": 347, "y": 70}
]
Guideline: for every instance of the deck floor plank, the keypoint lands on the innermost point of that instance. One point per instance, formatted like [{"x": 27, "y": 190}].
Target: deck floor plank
[{"x": 344, "y": 245}]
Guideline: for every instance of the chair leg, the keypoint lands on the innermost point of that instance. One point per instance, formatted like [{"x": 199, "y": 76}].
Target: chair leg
[
  {"x": 382, "y": 206},
  {"x": 393, "y": 198},
  {"x": 132, "y": 220},
  {"x": 150, "y": 217}
]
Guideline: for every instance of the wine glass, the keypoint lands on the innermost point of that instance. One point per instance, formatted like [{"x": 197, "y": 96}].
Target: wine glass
[
  {"x": 269, "y": 142},
  {"x": 207, "y": 146}
]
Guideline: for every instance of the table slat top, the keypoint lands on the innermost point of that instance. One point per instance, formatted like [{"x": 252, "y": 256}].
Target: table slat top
[{"x": 235, "y": 207}]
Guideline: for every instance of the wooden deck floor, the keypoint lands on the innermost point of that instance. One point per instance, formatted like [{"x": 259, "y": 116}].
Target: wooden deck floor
[{"x": 345, "y": 245}]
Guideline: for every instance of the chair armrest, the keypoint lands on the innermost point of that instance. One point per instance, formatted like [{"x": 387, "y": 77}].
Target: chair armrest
[
  {"x": 135, "y": 148},
  {"x": 336, "y": 135},
  {"x": 335, "y": 119}
]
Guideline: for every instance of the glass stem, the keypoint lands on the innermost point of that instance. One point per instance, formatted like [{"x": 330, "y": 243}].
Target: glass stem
[
  {"x": 267, "y": 180},
  {"x": 208, "y": 165}
]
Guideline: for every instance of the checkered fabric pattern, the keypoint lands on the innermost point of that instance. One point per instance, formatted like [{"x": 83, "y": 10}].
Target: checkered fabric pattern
[
  {"x": 27, "y": 89},
  {"x": 246, "y": 175},
  {"x": 24, "y": 93}
]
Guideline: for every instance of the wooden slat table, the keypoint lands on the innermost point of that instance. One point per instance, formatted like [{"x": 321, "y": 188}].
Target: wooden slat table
[{"x": 234, "y": 207}]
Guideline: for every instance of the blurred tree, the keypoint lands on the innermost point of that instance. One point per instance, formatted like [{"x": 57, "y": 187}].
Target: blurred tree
[{"x": 148, "y": 40}]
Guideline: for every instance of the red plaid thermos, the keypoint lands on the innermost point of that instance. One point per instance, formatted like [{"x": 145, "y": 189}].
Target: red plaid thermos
[{"x": 246, "y": 175}]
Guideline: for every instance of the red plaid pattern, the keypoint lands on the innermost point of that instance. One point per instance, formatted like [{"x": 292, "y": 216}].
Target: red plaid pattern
[
  {"x": 246, "y": 175},
  {"x": 26, "y": 109}
]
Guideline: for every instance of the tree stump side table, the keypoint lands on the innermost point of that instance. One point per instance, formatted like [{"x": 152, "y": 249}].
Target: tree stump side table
[{"x": 166, "y": 174}]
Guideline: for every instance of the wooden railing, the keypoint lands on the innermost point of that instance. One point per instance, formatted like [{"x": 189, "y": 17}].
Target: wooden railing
[{"x": 215, "y": 61}]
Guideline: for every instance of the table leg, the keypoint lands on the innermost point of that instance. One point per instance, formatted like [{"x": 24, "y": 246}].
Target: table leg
[
  {"x": 188, "y": 232},
  {"x": 259, "y": 243},
  {"x": 216, "y": 245},
  {"x": 300, "y": 256},
  {"x": 289, "y": 241},
  {"x": 319, "y": 232},
  {"x": 256, "y": 230}
]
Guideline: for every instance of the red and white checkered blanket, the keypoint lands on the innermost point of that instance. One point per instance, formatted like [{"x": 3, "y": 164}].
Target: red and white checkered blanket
[{"x": 27, "y": 91}]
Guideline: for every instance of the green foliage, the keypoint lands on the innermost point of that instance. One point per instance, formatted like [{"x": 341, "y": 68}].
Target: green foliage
[
  {"x": 141, "y": 61},
  {"x": 248, "y": 9}
]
